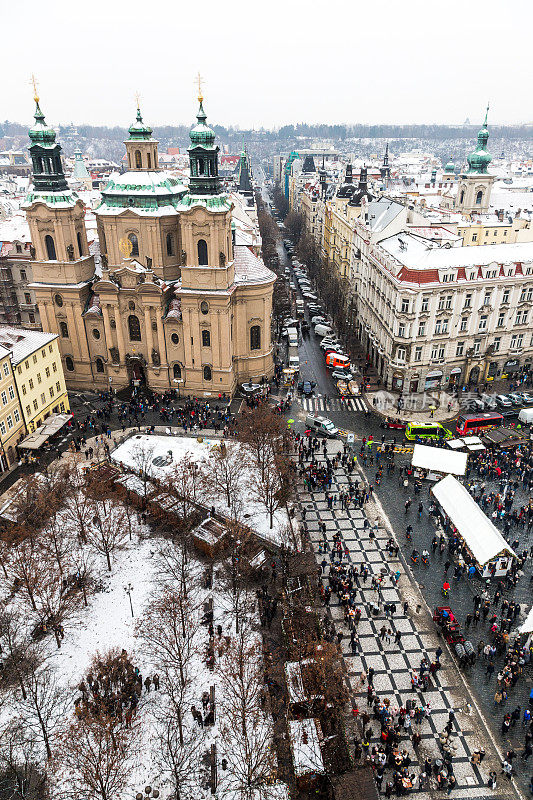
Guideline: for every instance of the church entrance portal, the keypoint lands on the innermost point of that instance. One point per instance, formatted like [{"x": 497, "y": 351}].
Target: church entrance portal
[{"x": 137, "y": 373}]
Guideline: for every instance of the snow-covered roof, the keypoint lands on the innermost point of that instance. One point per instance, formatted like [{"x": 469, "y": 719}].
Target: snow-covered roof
[
  {"x": 305, "y": 746},
  {"x": 527, "y": 625},
  {"x": 249, "y": 268},
  {"x": 481, "y": 536},
  {"x": 435, "y": 458},
  {"x": 414, "y": 251},
  {"x": 22, "y": 342}
]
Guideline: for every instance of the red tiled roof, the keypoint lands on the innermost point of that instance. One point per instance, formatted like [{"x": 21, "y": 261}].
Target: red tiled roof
[{"x": 418, "y": 276}]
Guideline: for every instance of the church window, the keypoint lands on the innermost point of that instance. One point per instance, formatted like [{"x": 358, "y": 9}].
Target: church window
[
  {"x": 207, "y": 373},
  {"x": 99, "y": 365},
  {"x": 50, "y": 248},
  {"x": 255, "y": 337},
  {"x": 69, "y": 363},
  {"x": 175, "y": 338},
  {"x": 63, "y": 327},
  {"x": 96, "y": 333},
  {"x": 202, "y": 253},
  {"x": 134, "y": 327},
  {"x": 149, "y": 160},
  {"x": 134, "y": 244},
  {"x": 80, "y": 244},
  {"x": 170, "y": 244},
  {"x": 138, "y": 159},
  {"x": 177, "y": 371},
  {"x": 462, "y": 197},
  {"x": 479, "y": 198},
  {"x": 206, "y": 338},
  {"x": 200, "y": 166},
  {"x": 204, "y": 307}
]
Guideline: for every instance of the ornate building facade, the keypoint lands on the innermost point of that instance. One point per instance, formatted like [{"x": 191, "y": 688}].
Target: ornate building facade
[{"x": 176, "y": 302}]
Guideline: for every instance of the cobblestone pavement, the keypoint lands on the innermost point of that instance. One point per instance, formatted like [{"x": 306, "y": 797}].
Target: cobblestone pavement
[{"x": 392, "y": 661}]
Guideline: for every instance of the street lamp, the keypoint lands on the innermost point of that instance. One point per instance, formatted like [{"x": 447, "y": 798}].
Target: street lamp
[{"x": 129, "y": 589}]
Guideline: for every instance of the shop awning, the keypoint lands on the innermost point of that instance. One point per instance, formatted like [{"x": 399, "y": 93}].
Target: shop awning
[
  {"x": 436, "y": 459},
  {"x": 481, "y": 536},
  {"x": 53, "y": 424}
]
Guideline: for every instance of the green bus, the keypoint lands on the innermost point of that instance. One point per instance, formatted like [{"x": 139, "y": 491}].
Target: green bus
[{"x": 427, "y": 430}]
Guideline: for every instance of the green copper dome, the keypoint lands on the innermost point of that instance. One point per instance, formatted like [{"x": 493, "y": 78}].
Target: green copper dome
[
  {"x": 41, "y": 133},
  {"x": 138, "y": 130},
  {"x": 202, "y": 135},
  {"x": 450, "y": 167},
  {"x": 479, "y": 160}
]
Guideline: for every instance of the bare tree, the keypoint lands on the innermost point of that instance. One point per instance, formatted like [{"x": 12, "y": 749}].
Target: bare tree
[
  {"x": 187, "y": 483},
  {"x": 107, "y": 532},
  {"x": 77, "y": 510},
  {"x": 273, "y": 485},
  {"x": 55, "y": 601},
  {"x": 225, "y": 473},
  {"x": 174, "y": 570},
  {"x": 142, "y": 455},
  {"x": 26, "y": 568},
  {"x": 44, "y": 708},
  {"x": 94, "y": 761},
  {"x": 177, "y": 758},
  {"x": 258, "y": 430},
  {"x": 23, "y": 776},
  {"x": 235, "y": 579},
  {"x": 20, "y": 656}
]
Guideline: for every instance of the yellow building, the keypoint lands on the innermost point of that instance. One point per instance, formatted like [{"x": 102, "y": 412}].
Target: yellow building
[
  {"x": 483, "y": 232},
  {"x": 38, "y": 373},
  {"x": 12, "y": 428}
]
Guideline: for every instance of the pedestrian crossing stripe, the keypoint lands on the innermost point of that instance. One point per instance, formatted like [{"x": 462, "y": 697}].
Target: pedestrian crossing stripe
[{"x": 315, "y": 404}]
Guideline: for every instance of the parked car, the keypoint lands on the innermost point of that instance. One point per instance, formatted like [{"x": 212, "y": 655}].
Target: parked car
[
  {"x": 527, "y": 398},
  {"x": 516, "y": 399},
  {"x": 341, "y": 374},
  {"x": 309, "y": 296},
  {"x": 323, "y": 330},
  {"x": 317, "y": 319},
  {"x": 503, "y": 401},
  {"x": 394, "y": 424}
]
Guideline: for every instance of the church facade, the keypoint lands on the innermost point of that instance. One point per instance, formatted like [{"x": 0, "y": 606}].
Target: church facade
[{"x": 176, "y": 301}]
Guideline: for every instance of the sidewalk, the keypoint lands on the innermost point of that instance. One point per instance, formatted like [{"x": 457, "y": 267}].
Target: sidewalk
[{"x": 436, "y": 406}]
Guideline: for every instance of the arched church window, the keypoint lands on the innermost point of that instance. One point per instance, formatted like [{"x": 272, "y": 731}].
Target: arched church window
[
  {"x": 462, "y": 197},
  {"x": 138, "y": 159},
  {"x": 206, "y": 338},
  {"x": 63, "y": 328},
  {"x": 80, "y": 244},
  {"x": 134, "y": 244},
  {"x": 149, "y": 160},
  {"x": 99, "y": 365},
  {"x": 69, "y": 363},
  {"x": 202, "y": 253},
  {"x": 207, "y": 373},
  {"x": 255, "y": 337},
  {"x": 50, "y": 247},
  {"x": 134, "y": 327},
  {"x": 170, "y": 244},
  {"x": 479, "y": 197},
  {"x": 200, "y": 166},
  {"x": 177, "y": 371}
]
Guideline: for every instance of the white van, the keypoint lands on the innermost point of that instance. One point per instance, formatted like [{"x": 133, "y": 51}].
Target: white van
[
  {"x": 322, "y": 425},
  {"x": 293, "y": 337},
  {"x": 323, "y": 330},
  {"x": 526, "y": 416}
]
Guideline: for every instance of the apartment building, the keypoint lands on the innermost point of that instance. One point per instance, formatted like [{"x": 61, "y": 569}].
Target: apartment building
[
  {"x": 12, "y": 428},
  {"x": 38, "y": 373}
]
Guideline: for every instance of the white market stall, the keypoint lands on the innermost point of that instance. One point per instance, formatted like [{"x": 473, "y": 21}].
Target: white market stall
[
  {"x": 435, "y": 462},
  {"x": 482, "y": 538},
  {"x": 471, "y": 443},
  {"x": 305, "y": 736}
]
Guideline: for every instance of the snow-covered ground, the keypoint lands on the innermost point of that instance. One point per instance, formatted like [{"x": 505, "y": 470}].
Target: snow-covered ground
[{"x": 176, "y": 448}]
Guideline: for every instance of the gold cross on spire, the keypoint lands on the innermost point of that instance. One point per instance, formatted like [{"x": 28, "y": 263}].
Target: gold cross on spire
[
  {"x": 33, "y": 82},
  {"x": 137, "y": 99},
  {"x": 200, "y": 95}
]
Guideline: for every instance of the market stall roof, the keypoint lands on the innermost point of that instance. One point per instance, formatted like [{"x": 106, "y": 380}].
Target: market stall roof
[
  {"x": 470, "y": 442},
  {"x": 52, "y": 425},
  {"x": 503, "y": 437},
  {"x": 527, "y": 625},
  {"x": 304, "y": 737},
  {"x": 438, "y": 459},
  {"x": 482, "y": 537}
]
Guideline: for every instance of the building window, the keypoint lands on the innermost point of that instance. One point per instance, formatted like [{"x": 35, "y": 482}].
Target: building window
[
  {"x": 80, "y": 245},
  {"x": 521, "y": 317},
  {"x": 34, "y": 359},
  {"x": 51, "y": 390},
  {"x": 43, "y": 398},
  {"x": 28, "y": 411},
  {"x": 134, "y": 327},
  {"x": 474, "y": 237},
  {"x": 30, "y": 383},
  {"x": 31, "y": 317},
  {"x": 39, "y": 379},
  {"x": 483, "y": 323},
  {"x": 47, "y": 370},
  {"x": 138, "y": 160},
  {"x": 11, "y": 393},
  {"x": 27, "y": 298},
  {"x": 462, "y": 196},
  {"x": 496, "y": 344},
  {"x": 505, "y": 297},
  {"x": 477, "y": 345},
  {"x": 177, "y": 371},
  {"x": 170, "y": 244},
  {"x": 23, "y": 275},
  {"x": 69, "y": 363},
  {"x": 63, "y": 329},
  {"x": 255, "y": 337},
  {"x": 16, "y": 415},
  {"x": 6, "y": 368},
  {"x": 206, "y": 338},
  {"x": 35, "y": 405},
  {"x": 468, "y": 300},
  {"x": 3, "y": 429},
  {"x": 501, "y": 320},
  {"x": 401, "y": 330},
  {"x": 50, "y": 248},
  {"x": 4, "y": 398},
  {"x": 204, "y": 307},
  {"x": 202, "y": 253},
  {"x": 99, "y": 367},
  {"x": 175, "y": 338},
  {"x": 9, "y": 420},
  {"x": 23, "y": 388},
  {"x": 134, "y": 244},
  {"x": 54, "y": 367},
  {"x": 96, "y": 333},
  {"x": 422, "y": 329},
  {"x": 479, "y": 198},
  {"x": 207, "y": 373},
  {"x": 418, "y": 354},
  {"x": 460, "y": 349},
  {"x": 405, "y": 306},
  {"x": 516, "y": 341},
  {"x": 58, "y": 387},
  {"x": 400, "y": 354},
  {"x": 464, "y": 323},
  {"x": 425, "y": 304},
  {"x": 50, "y": 348}
]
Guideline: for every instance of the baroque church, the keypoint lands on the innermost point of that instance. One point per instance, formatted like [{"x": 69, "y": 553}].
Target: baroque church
[{"x": 176, "y": 302}]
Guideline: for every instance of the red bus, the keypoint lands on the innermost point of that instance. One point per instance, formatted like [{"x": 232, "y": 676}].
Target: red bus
[{"x": 472, "y": 424}]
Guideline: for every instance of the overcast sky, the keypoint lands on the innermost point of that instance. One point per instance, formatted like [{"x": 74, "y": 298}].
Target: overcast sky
[{"x": 269, "y": 63}]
